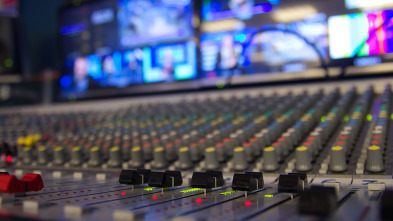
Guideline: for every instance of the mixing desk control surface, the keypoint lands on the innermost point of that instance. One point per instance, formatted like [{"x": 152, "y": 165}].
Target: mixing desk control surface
[{"x": 297, "y": 156}]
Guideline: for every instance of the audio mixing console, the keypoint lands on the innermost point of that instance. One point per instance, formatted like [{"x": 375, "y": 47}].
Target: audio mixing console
[{"x": 301, "y": 155}]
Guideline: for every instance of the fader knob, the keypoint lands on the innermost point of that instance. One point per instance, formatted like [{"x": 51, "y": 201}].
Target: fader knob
[
  {"x": 137, "y": 160},
  {"x": 42, "y": 155},
  {"x": 240, "y": 159},
  {"x": 59, "y": 156},
  {"x": 95, "y": 159},
  {"x": 318, "y": 201},
  {"x": 185, "y": 161},
  {"x": 337, "y": 159},
  {"x": 303, "y": 159},
  {"x": 27, "y": 155},
  {"x": 211, "y": 158},
  {"x": 375, "y": 159},
  {"x": 115, "y": 158},
  {"x": 76, "y": 157},
  {"x": 270, "y": 159},
  {"x": 160, "y": 161}
]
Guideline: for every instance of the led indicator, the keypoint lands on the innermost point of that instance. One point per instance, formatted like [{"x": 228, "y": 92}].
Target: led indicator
[
  {"x": 220, "y": 84},
  {"x": 247, "y": 203},
  {"x": 228, "y": 193},
  {"x": 8, "y": 159},
  {"x": 323, "y": 118},
  {"x": 269, "y": 196},
  {"x": 369, "y": 117},
  {"x": 154, "y": 197},
  {"x": 198, "y": 200},
  {"x": 346, "y": 118},
  {"x": 8, "y": 63},
  {"x": 123, "y": 193},
  {"x": 148, "y": 189},
  {"x": 191, "y": 190}
]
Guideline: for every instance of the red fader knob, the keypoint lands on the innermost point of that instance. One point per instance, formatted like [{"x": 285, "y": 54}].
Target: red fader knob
[{"x": 28, "y": 183}]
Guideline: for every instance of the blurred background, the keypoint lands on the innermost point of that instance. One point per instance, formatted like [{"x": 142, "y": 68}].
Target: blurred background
[{"x": 69, "y": 50}]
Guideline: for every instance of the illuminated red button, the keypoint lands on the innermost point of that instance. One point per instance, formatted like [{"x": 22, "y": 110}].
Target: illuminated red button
[
  {"x": 377, "y": 136},
  {"x": 340, "y": 142},
  {"x": 307, "y": 143},
  {"x": 276, "y": 144},
  {"x": 219, "y": 144}
]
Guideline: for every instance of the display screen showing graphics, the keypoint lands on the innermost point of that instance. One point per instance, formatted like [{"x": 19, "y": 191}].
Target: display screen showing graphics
[{"x": 364, "y": 34}]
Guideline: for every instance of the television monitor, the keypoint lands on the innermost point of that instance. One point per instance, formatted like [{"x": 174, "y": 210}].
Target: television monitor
[
  {"x": 111, "y": 47},
  {"x": 258, "y": 40}
]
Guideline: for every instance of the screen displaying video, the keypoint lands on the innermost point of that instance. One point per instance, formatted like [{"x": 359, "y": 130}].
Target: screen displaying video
[
  {"x": 242, "y": 9},
  {"x": 362, "y": 34},
  {"x": 143, "y": 21},
  {"x": 164, "y": 63},
  {"x": 269, "y": 48},
  {"x": 351, "y": 4},
  {"x": 121, "y": 43}
]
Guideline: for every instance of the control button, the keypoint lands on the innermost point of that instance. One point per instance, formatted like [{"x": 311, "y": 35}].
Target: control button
[
  {"x": 165, "y": 179},
  {"x": 249, "y": 181},
  {"x": 303, "y": 159},
  {"x": 28, "y": 183},
  {"x": 386, "y": 205},
  {"x": 170, "y": 152},
  {"x": 33, "y": 206},
  {"x": 159, "y": 161},
  {"x": 195, "y": 154},
  {"x": 211, "y": 159},
  {"x": 134, "y": 177},
  {"x": 76, "y": 157},
  {"x": 207, "y": 180},
  {"x": 123, "y": 215},
  {"x": 137, "y": 159},
  {"x": 42, "y": 155},
  {"x": 378, "y": 186},
  {"x": 270, "y": 159},
  {"x": 221, "y": 152},
  {"x": 303, "y": 179},
  {"x": 59, "y": 156},
  {"x": 318, "y": 200},
  {"x": 115, "y": 158},
  {"x": 336, "y": 185},
  {"x": 290, "y": 183},
  {"x": 75, "y": 212},
  {"x": 95, "y": 159},
  {"x": 240, "y": 159},
  {"x": 338, "y": 161},
  {"x": 185, "y": 161},
  {"x": 27, "y": 155},
  {"x": 374, "y": 161}
]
